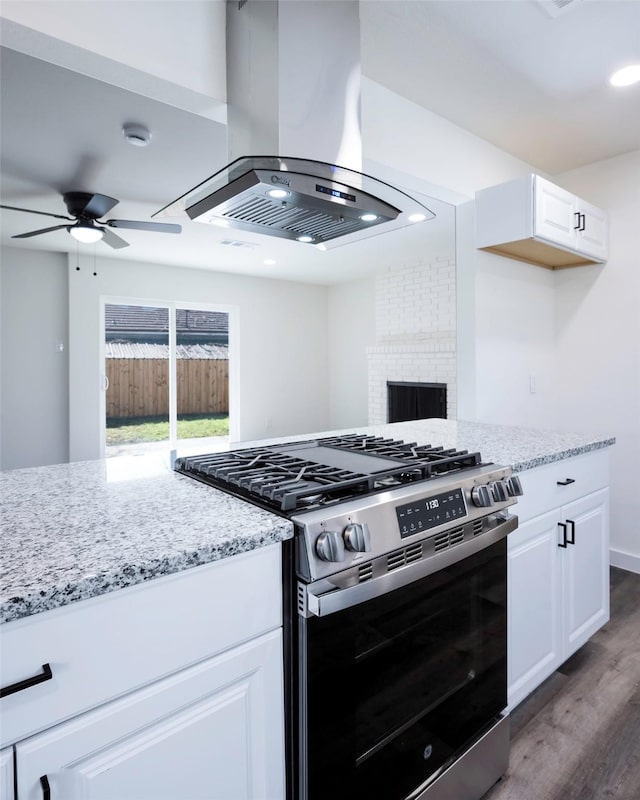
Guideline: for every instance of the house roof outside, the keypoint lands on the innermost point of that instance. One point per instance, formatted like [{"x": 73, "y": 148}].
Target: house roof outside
[
  {"x": 217, "y": 352},
  {"x": 127, "y": 323}
]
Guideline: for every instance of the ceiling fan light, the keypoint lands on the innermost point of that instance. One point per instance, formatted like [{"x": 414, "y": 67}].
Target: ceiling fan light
[
  {"x": 626, "y": 76},
  {"x": 87, "y": 234}
]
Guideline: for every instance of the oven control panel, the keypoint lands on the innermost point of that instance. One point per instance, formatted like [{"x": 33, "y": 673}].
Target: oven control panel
[{"x": 429, "y": 512}]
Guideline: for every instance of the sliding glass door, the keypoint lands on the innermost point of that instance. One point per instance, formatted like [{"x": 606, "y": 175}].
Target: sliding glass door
[{"x": 166, "y": 378}]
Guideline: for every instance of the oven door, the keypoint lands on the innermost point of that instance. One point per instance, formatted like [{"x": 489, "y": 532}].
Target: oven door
[{"x": 398, "y": 676}]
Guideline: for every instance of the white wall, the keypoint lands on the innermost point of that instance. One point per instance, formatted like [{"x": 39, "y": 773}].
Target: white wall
[
  {"x": 351, "y": 330},
  {"x": 34, "y": 381},
  {"x": 281, "y": 350},
  {"x": 515, "y": 342},
  {"x": 598, "y": 341},
  {"x": 420, "y": 143}
]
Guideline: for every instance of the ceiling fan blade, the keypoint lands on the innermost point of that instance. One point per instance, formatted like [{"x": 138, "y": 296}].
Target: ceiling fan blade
[
  {"x": 85, "y": 204},
  {"x": 112, "y": 239},
  {"x": 43, "y": 213},
  {"x": 37, "y": 233},
  {"x": 158, "y": 227}
]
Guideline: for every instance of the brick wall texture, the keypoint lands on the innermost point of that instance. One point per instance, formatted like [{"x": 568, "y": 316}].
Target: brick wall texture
[{"x": 415, "y": 332}]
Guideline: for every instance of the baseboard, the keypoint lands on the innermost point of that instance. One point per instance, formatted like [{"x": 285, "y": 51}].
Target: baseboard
[{"x": 628, "y": 561}]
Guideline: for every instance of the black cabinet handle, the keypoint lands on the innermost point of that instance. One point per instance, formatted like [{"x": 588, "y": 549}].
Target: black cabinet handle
[
  {"x": 46, "y": 789},
  {"x": 584, "y": 222},
  {"x": 563, "y": 543},
  {"x": 577, "y": 227},
  {"x": 565, "y": 482},
  {"x": 572, "y": 540},
  {"x": 45, "y": 675}
]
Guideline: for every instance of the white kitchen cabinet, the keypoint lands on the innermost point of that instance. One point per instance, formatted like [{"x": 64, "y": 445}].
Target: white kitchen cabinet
[
  {"x": 585, "y": 569},
  {"x": 534, "y": 605},
  {"x": 210, "y": 732},
  {"x": 6, "y": 774},
  {"x": 558, "y": 595},
  {"x": 533, "y": 220},
  {"x": 171, "y": 688}
]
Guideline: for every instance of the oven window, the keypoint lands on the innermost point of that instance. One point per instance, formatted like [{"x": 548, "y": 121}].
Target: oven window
[{"x": 396, "y": 686}]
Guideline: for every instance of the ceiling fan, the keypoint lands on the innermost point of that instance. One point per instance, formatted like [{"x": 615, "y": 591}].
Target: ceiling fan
[{"x": 85, "y": 210}]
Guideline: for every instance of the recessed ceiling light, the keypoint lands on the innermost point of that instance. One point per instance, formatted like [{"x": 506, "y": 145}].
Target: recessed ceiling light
[
  {"x": 368, "y": 217},
  {"x": 626, "y": 76},
  {"x": 269, "y": 261},
  {"x": 278, "y": 193},
  {"x": 305, "y": 238},
  {"x": 416, "y": 217}
]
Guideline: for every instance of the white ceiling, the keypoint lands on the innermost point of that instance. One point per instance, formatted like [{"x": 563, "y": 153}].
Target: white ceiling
[{"x": 533, "y": 85}]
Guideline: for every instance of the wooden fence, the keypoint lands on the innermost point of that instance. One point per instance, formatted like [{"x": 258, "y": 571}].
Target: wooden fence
[{"x": 139, "y": 387}]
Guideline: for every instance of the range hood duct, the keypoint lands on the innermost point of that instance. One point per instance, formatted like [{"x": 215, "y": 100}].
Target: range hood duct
[{"x": 293, "y": 86}]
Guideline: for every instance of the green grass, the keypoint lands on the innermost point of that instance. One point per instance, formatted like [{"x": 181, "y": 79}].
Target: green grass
[{"x": 156, "y": 429}]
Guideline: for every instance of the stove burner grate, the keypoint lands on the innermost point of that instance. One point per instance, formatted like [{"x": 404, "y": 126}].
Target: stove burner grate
[{"x": 355, "y": 466}]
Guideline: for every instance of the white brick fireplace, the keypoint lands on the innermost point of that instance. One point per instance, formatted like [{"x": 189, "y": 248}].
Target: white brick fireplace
[{"x": 415, "y": 332}]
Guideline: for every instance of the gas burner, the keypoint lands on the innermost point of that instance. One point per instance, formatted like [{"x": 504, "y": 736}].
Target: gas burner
[
  {"x": 311, "y": 500},
  {"x": 322, "y": 472}
]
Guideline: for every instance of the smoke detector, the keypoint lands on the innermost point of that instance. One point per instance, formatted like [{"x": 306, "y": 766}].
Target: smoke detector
[{"x": 137, "y": 135}]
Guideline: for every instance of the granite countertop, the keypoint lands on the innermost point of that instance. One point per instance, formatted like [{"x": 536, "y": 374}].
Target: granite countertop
[
  {"x": 519, "y": 448},
  {"x": 74, "y": 531}
]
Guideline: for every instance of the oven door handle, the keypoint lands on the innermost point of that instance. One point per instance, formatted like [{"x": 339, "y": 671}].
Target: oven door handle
[{"x": 321, "y": 598}]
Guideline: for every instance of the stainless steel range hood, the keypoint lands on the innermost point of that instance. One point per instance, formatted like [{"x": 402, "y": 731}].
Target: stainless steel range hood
[{"x": 293, "y": 86}]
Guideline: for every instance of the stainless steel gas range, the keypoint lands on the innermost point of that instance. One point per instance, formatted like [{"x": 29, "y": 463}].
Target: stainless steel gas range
[{"x": 395, "y": 612}]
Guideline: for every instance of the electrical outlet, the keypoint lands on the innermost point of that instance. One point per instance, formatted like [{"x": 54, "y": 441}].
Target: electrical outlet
[{"x": 532, "y": 384}]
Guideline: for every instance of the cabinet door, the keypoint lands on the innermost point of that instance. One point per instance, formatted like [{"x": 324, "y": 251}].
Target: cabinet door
[
  {"x": 586, "y": 569},
  {"x": 593, "y": 238},
  {"x": 6, "y": 774},
  {"x": 533, "y": 607},
  {"x": 555, "y": 214},
  {"x": 212, "y": 731}
]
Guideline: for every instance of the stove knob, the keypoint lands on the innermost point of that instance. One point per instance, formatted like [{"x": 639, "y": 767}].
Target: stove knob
[
  {"x": 499, "y": 491},
  {"x": 514, "y": 487},
  {"x": 357, "y": 538},
  {"x": 330, "y": 546},
  {"x": 481, "y": 496}
]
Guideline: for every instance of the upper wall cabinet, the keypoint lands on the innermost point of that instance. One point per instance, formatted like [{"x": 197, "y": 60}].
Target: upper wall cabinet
[{"x": 532, "y": 220}]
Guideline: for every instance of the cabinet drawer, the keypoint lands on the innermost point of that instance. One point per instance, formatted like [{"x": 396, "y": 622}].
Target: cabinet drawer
[
  {"x": 104, "y": 647},
  {"x": 553, "y": 485}
]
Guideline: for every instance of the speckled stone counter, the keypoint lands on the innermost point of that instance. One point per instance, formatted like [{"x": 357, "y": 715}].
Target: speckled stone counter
[
  {"x": 520, "y": 448},
  {"x": 74, "y": 531}
]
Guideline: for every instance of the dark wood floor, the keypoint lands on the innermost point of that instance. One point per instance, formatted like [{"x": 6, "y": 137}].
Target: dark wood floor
[{"x": 577, "y": 737}]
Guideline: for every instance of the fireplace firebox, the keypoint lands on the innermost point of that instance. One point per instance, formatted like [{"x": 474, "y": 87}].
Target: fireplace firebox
[{"x": 407, "y": 401}]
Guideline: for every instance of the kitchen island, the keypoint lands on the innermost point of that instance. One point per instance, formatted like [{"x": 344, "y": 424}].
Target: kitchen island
[
  {"x": 153, "y": 604},
  {"x": 74, "y": 531}
]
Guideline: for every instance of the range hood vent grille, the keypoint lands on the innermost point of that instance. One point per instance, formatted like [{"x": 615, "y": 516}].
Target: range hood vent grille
[{"x": 263, "y": 211}]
